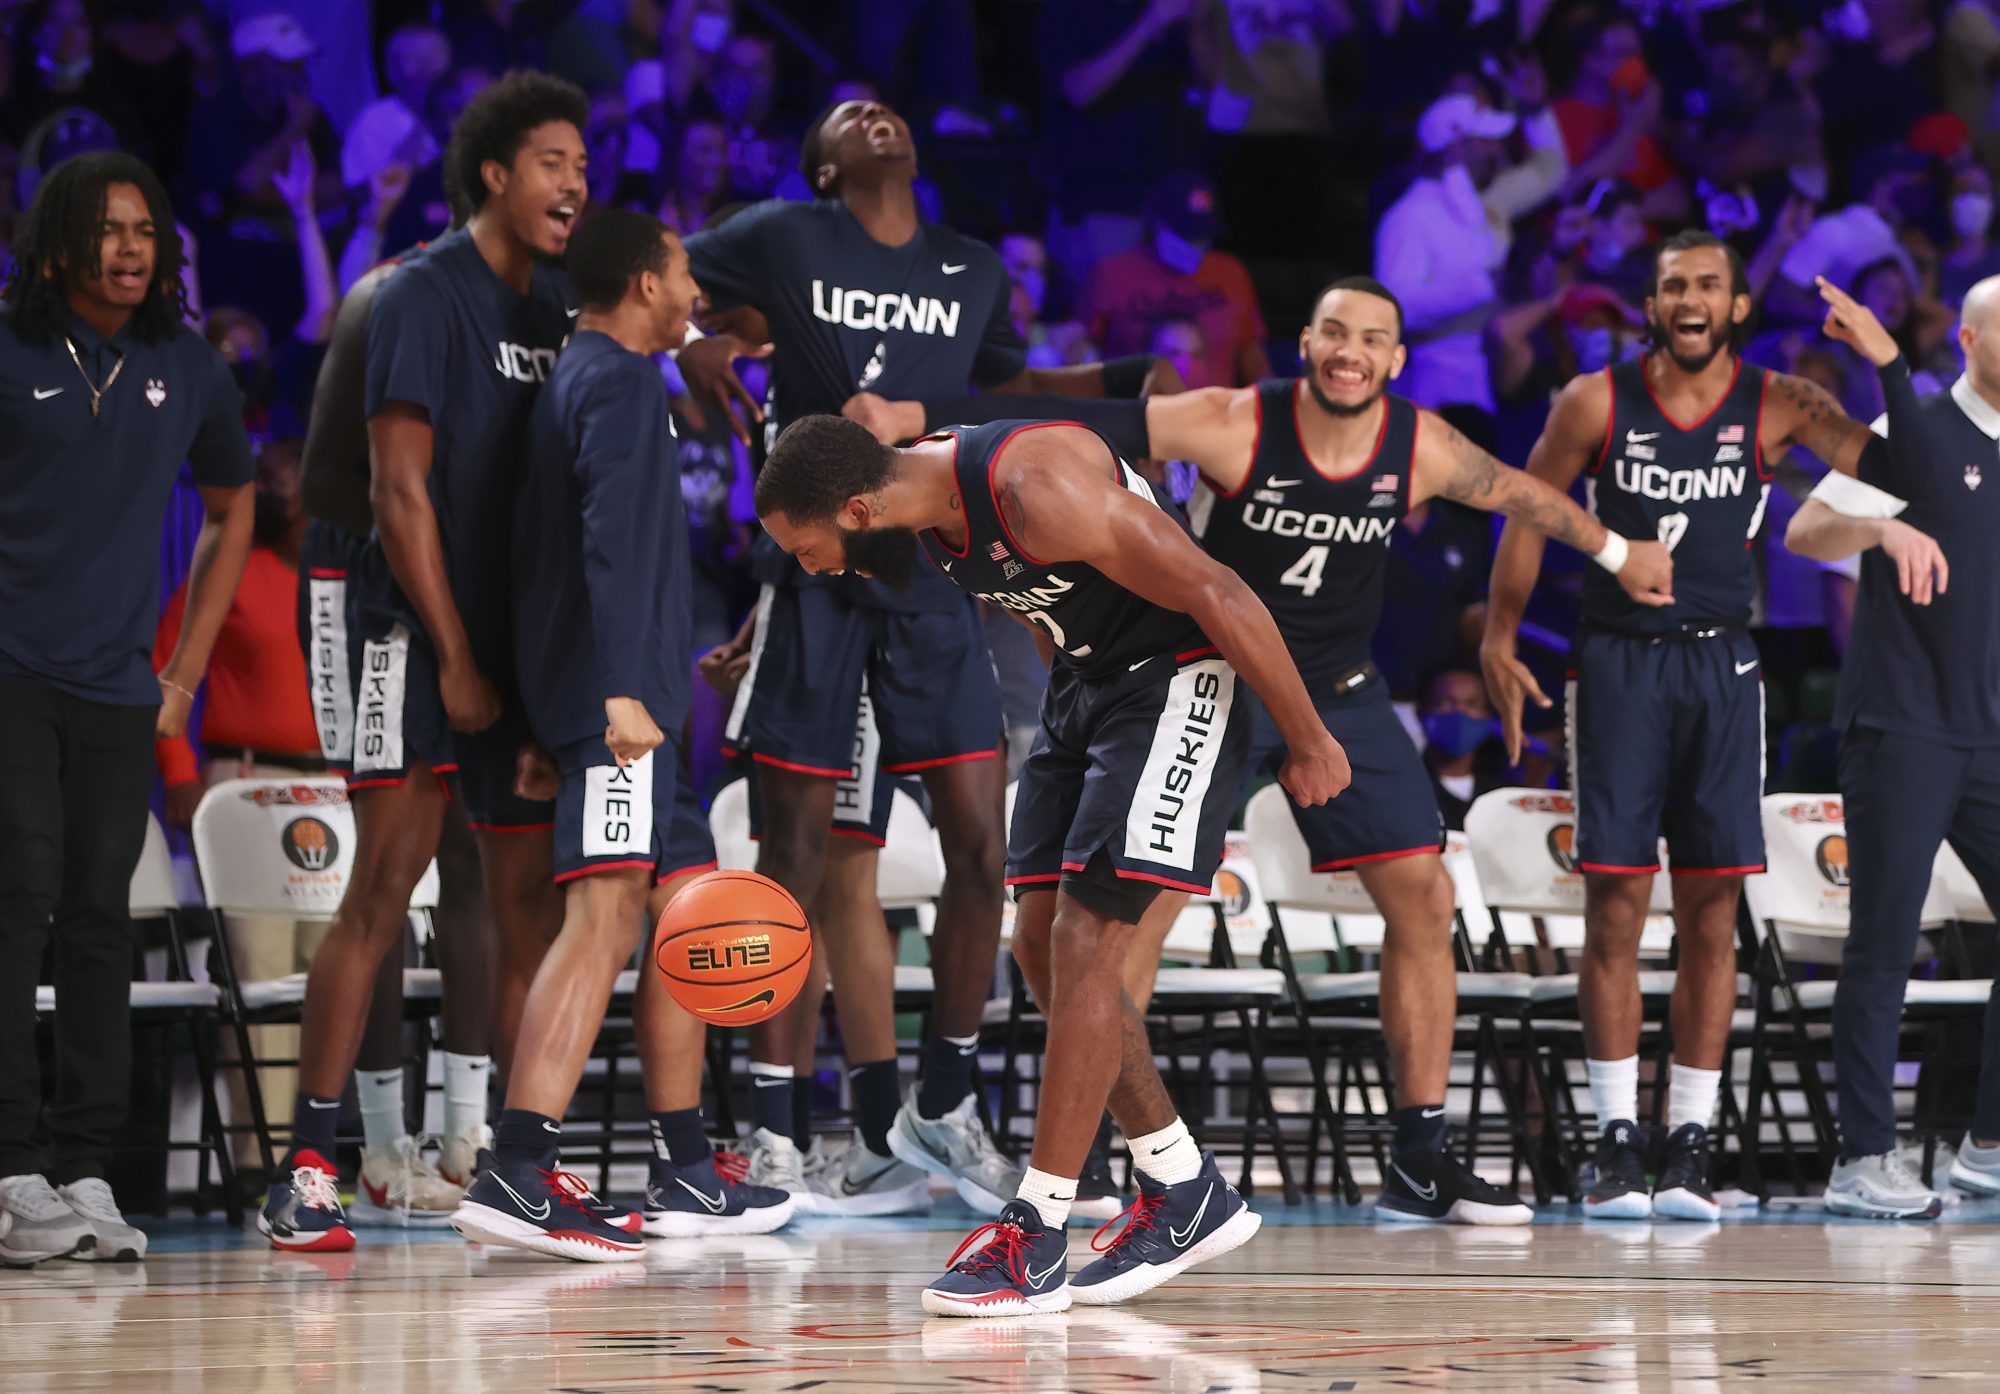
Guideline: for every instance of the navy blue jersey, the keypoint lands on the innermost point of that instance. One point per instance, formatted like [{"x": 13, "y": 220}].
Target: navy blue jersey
[
  {"x": 1313, "y": 545},
  {"x": 83, "y": 495},
  {"x": 448, "y": 335},
  {"x": 849, "y": 314},
  {"x": 1099, "y": 627},
  {"x": 601, "y": 587},
  {"x": 1700, "y": 489}
]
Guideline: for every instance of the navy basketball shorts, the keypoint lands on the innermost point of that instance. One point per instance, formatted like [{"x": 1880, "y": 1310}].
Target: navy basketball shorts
[
  {"x": 328, "y": 559},
  {"x": 1388, "y": 811},
  {"x": 641, "y": 815},
  {"x": 813, "y": 653},
  {"x": 1131, "y": 783},
  {"x": 1667, "y": 736},
  {"x": 861, "y": 800},
  {"x": 488, "y": 765}
]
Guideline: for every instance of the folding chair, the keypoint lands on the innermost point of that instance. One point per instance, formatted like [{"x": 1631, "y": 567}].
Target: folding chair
[
  {"x": 284, "y": 848},
  {"x": 1800, "y": 906}
]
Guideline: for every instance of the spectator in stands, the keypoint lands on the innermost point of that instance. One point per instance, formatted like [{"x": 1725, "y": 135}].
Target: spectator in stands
[
  {"x": 1440, "y": 245},
  {"x": 1889, "y": 187},
  {"x": 744, "y": 85},
  {"x": 695, "y": 182},
  {"x": 160, "y": 55},
  {"x": 1879, "y": 81},
  {"x": 1461, "y": 751},
  {"x": 1176, "y": 273},
  {"x": 55, "y": 67},
  {"x": 1757, "y": 139},
  {"x": 1603, "y": 238},
  {"x": 692, "y": 36},
  {"x": 396, "y": 129},
  {"x": 406, "y": 206},
  {"x": 1610, "y": 120},
  {"x": 1922, "y": 329},
  {"x": 1971, "y": 52},
  {"x": 1179, "y": 340},
  {"x": 1970, "y": 255},
  {"x": 1434, "y": 599}
]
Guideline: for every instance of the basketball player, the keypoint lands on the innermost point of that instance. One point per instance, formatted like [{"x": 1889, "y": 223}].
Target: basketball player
[
  {"x": 601, "y": 616},
  {"x": 458, "y": 342},
  {"x": 859, "y": 292},
  {"x": 1128, "y": 790},
  {"x": 1665, "y": 705},
  {"x": 397, "y": 1183}
]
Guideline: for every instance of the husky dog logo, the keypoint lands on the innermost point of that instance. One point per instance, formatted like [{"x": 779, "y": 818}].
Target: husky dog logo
[
  {"x": 1562, "y": 846},
  {"x": 1831, "y": 854},
  {"x": 156, "y": 391},
  {"x": 310, "y": 844},
  {"x": 1972, "y": 476}
]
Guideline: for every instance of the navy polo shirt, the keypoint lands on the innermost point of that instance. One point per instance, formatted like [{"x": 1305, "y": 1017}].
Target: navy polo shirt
[
  {"x": 1930, "y": 671},
  {"x": 83, "y": 499}
]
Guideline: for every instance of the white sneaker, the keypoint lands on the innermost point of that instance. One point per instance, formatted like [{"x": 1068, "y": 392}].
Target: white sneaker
[
  {"x": 861, "y": 1183},
  {"x": 458, "y": 1157},
  {"x": 1942, "y": 1157},
  {"x": 1880, "y": 1187},
  {"x": 117, "y": 1242},
  {"x": 41, "y": 1223},
  {"x": 775, "y": 1161},
  {"x": 399, "y": 1187},
  {"x": 958, "y": 1148},
  {"x": 1974, "y": 1168}
]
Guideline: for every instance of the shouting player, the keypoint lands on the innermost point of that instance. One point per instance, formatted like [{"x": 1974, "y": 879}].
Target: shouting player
[
  {"x": 1666, "y": 703},
  {"x": 1129, "y": 788}
]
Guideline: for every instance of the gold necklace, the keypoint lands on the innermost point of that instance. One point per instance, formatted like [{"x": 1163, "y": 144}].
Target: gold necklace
[{"x": 96, "y": 392}]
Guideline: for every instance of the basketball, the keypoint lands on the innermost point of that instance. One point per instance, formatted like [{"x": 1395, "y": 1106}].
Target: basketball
[{"x": 733, "y": 947}]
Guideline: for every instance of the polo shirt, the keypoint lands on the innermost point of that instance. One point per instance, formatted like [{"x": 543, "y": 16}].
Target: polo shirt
[{"x": 83, "y": 498}]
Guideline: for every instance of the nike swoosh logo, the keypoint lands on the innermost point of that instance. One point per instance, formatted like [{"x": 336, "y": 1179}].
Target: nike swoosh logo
[
  {"x": 317, "y": 1103},
  {"x": 967, "y": 1052},
  {"x": 1181, "y": 1236},
  {"x": 42, "y": 394},
  {"x": 388, "y": 1079},
  {"x": 714, "y": 1207},
  {"x": 762, "y": 1083},
  {"x": 1135, "y": 667},
  {"x": 1433, "y": 1113},
  {"x": 552, "y": 1128},
  {"x": 1279, "y": 483},
  {"x": 1636, "y": 437},
  {"x": 1429, "y": 1192},
  {"x": 526, "y": 1209},
  {"x": 1743, "y": 668},
  {"x": 951, "y": 270},
  {"x": 767, "y": 995},
  {"x": 947, "y": 566},
  {"x": 571, "y": 313},
  {"x": 1035, "y": 1279}
]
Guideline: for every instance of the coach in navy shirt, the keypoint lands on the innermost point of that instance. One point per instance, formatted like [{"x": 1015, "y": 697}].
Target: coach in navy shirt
[
  {"x": 1919, "y": 710},
  {"x": 103, "y": 394}
]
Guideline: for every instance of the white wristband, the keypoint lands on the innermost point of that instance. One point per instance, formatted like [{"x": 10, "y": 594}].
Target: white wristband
[{"x": 1611, "y": 556}]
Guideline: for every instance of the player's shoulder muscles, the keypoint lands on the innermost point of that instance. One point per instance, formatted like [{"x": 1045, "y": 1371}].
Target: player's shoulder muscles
[
  {"x": 1574, "y": 437},
  {"x": 1053, "y": 484},
  {"x": 1215, "y": 429}
]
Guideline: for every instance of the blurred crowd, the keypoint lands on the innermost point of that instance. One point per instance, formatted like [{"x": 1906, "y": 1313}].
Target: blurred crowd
[{"x": 1164, "y": 176}]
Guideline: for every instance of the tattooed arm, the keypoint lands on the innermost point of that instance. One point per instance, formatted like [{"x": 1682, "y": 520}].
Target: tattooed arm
[
  {"x": 1447, "y": 463},
  {"x": 1799, "y": 412}
]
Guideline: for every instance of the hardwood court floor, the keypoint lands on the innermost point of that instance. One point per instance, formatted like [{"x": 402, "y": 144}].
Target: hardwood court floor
[{"x": 1322, "y": 1299}]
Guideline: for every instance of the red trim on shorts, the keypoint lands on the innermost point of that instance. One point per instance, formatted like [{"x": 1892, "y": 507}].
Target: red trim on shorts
[
  {"x": 1617, "y": 870},
  {"x": 515, "y": 828},
  {"x": 1032, "y": 880},
  {"x": 1718, "y": 870},
  {"x": 913, "y": 766},
  {"x": 1375, "y": 857},
  {"x": 328, "y": 573},
  {"x": 1167, "y": 881},
  {"x": 665, "y": 877},
  {"x": 859, "y": 834},
  {"x": 452, "y": 768},
  {"x": 354, "y": 784},
  {"x": 1210, "y": 652},
  {"x": 1072, "y": 866},
  {"x": 763, "y": 759},
  {"x": 594, "y": 868}
]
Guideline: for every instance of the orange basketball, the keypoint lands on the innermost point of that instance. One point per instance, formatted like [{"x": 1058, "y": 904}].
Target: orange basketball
[{"x": 733, "y": 947}]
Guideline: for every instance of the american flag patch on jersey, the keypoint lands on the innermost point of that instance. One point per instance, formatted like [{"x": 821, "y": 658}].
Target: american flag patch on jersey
[
  {"x": 999, "y": 552},
  {"x": 1386, "y": 483},
  {"x": 1729, "y": 435}
]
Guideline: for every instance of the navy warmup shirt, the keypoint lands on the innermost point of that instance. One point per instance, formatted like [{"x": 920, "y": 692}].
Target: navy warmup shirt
[
  {"x": 448, "y": 335},
  {"x": 83, "y": 498},
  {"x": 1930, "y": 671},
  {"x": 601, "y": 584},
  {"x": 850, "y": 315}
]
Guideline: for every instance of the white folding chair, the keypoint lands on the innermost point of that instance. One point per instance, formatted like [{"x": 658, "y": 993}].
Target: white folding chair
[{"x": 283, "y": 848}]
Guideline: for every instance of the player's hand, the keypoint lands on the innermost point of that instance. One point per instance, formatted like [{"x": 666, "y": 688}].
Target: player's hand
[
  {"x": 175, "y": 703},
  {"x": 887, "y": 421},
  {"x": 470, "y": 701},
  {"x": 1315, "y": 775},
  {"x": 1921, "y": 572},
  {"x": 723, "y": 667},
  {"x": 1854, "y": 324},
  {"x": 1648, "y": 573},
  {"x": 1508, "y": 683},
  {"x": 182, "y": 800},
  {"x": 536, "y": 777},
  {"x": 709, "y": 368},
  {"x": 630, "y": 731}
]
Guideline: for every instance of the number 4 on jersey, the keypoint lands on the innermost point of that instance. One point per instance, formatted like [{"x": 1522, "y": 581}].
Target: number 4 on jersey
[{"x": 1305, "y": 573}]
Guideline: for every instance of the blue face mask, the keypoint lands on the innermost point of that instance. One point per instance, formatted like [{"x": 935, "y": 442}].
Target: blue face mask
[
  {"x": 1456, "y": 733},
  {"x": 1177, "y": 252},
  {"x": 1595, "y": 348}
]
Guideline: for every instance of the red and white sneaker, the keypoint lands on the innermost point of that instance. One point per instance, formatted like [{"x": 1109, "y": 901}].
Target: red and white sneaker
[
  {"x": 302, "y": 1213},
  {"x": 522, "y": 1205}
]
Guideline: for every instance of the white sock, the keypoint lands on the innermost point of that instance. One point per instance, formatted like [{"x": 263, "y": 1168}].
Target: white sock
[
  {"x": 465, "y": 1081},
  {"x": 1168, "y": 1156},
  {"x": 1691, "y": 1095},
  {"x": 381, "y": 1094},
  {"x": 1051, "y": 1196},
  {"x": 1614, "y": 1090}
]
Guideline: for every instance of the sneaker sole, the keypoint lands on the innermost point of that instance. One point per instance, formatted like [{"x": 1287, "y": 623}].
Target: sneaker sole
[
  {"x": 1870, "y": 1210},
  {"x": 913, "y": 1199},
  {"x": 130, "y": 1250},
  {"x": 1230, "y": 1234},
  {"x": 1633, "y": 1205},
  {"x": 14, "y": 1257},
  {"x": 1462, "y": 1212},
  {"x": 682, "y": 1224},
  {"x": 366, "y": 1212},
  {"x": 1006, "y": 1303},
  {"x": 911, "y": 1152},
  {"x": 326, "y": 1241},
  {"x": 482, "y": 1224},
  {"x": 1976, "y": 1183},
  {"x": 1683, "y": 1204}
]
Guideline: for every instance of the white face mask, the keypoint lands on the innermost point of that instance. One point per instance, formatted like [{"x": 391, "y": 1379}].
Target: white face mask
[
  {"x": 709, "y": 32},
  {"x": 1971, "y": 213},
  {"x": 1177, "y": 252}
]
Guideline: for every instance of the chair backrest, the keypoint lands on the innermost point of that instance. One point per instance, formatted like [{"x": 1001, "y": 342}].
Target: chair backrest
[
  {"x": 911, "y": 869},
  {"x": 729, "y": 825},
  {"x": 281, "y": 847},
  {"x": 1804, "y": 885},
  {"x": 153, "y": 891},
  {"x": 1284, "y": 866},
  {"x": 1968, "y": 902},
  {"x": 1523, "y": 844}
]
